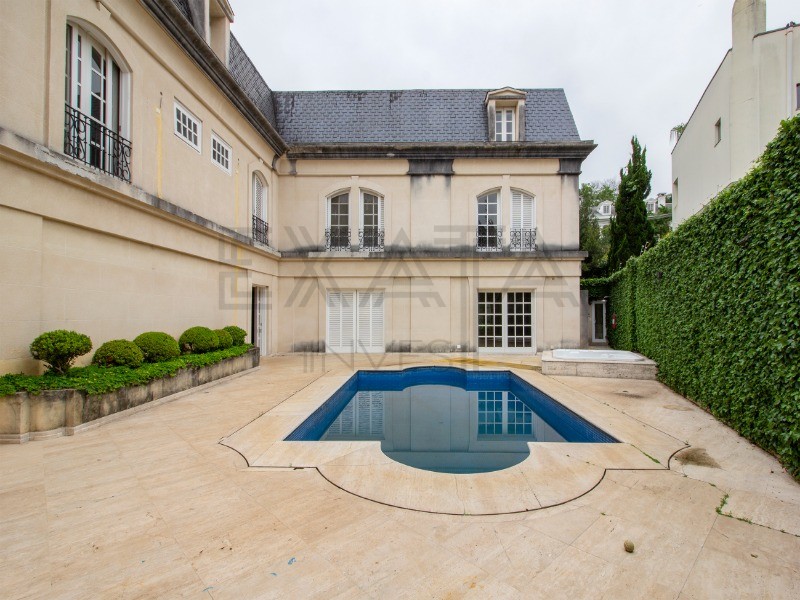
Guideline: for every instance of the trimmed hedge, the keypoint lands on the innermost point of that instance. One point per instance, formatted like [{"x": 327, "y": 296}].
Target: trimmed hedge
[
  {"x": 157, "y": 346},
  {"x": 717, "y": 303},
  {"x": 118, "y": 353},
  {"x": 58, "y": 349},
  {"x": 599, "y": 287},
  {"x": 100, "y": 380},
  {"x": 237, "y": 334},
  {"x": 198, "y": 340},
  {"x": 225, "y": 339}
]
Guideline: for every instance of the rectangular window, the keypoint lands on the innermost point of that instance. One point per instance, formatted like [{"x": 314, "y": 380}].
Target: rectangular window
[
  {"x": 718, "y": 131},
  {"x": 505, "y": 320},
  {"x": 220, "y": 153},
  {"x": 187, "y": 127},
  {"x": 503, "y": 413},
  {"x": 504, "y": 125}
]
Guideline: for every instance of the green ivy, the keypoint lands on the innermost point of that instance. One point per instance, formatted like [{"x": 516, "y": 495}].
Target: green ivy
[
  {"x": 717, "y": 303},
  {"x": 100, "y": 380}
]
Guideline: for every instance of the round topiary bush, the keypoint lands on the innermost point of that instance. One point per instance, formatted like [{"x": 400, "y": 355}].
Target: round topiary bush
[
  {"x": 59, "y": 348},
  {"x": 197, "y": 340},
  {"x": 118, "y": 353},
  {"x": 237, "y": 334},
  {"x": 225, "y": 339},
  {"x": 157, "y": 346}
]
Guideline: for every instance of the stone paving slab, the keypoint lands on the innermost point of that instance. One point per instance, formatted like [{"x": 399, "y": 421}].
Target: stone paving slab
[{"x": 152, "y": 506}]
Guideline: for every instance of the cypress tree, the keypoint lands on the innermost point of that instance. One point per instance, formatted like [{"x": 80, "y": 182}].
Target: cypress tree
[{"x": 630, "y": 230}]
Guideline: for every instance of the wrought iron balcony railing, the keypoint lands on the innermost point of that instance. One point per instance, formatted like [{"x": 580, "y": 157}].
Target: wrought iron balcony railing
[
  {"x": 260, "y": 231},
  {"x": 523, "y": 239},
  {"x": 337, "y": 238},
  {"x": 489, "y": 238},
  {"x": 96, "y": 145},
  {"x": 371, "y": 239}
]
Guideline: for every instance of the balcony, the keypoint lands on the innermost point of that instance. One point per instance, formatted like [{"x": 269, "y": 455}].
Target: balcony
[
  {"x": 522, "y": 240},
  {"x": 337, "y": 238},
  {"x": 370, "y": 239},
  {"x": 96, "y": 145},
  {"x": 260, "y": 231},
  {"x": 489, "y": 238}
]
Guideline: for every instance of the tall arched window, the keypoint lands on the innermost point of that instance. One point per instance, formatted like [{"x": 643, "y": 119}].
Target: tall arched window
[
  {"x": 522, "y": 234},
  {"x": 489, "y": 234},
  {"x": 96, "y": 99},
  {"x": 337, "y": 230},
  {"x": 371, "y": 233},
  {"x": 260, "y": 207}
]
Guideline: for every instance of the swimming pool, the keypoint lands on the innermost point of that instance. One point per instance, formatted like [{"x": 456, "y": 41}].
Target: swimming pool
[{"x": 446, "y": 419}]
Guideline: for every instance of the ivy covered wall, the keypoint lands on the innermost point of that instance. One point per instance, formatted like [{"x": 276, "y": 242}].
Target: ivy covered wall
[{"x": 717, "y": 303}]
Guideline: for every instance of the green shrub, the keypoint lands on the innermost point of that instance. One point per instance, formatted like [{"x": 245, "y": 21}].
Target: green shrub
[
  {"x": 225, "y": 339},
  {"x": 237, "y": 334},
  {"x": 101, "y": 380},
  {"x": 118, "y": 353},
  {"x": 59, "y": 348},
  {"x": 717, "y": 303},
  {"x": 157, "y": 346},
  {"x": 197, "y": 340}
]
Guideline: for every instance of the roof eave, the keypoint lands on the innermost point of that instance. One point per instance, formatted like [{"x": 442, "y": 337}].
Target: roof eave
[{"x": 575, "y": 150}]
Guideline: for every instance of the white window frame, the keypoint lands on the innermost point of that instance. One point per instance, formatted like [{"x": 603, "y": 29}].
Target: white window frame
[
  {"x": 505, "y": 348},
  {"x": 215, "y": 139},
  {"x": 180, "y": 109},
  {"x": 506, "y": 118}
]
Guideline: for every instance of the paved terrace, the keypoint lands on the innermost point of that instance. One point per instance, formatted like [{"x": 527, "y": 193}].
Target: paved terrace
[{"x": 153, "y": 505}]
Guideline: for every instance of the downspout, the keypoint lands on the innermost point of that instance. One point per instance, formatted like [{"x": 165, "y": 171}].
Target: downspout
[{"x": 789, "y": 69}]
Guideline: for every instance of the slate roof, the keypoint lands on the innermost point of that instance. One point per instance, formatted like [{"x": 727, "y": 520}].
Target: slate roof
[
  {"x": 249, "y": 79},
  {"x": 413, "y": 116}
]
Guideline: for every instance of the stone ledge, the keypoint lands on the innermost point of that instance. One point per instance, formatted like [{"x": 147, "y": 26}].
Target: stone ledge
[
  {"x": 27, "y": 417},
  {"x": 645, "y": 369}
]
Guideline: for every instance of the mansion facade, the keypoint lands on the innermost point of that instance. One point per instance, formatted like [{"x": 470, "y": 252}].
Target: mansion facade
[{"x": 152, "y": 180}]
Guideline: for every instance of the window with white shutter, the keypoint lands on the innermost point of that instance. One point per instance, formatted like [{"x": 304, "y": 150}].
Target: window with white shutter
[
  {"x": 523, "y": 221},
  {"x": 355, "y": 321}
]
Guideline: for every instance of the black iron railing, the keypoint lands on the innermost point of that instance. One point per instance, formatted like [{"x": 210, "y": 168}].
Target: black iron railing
[
  {"x": 489, "y": 238},
  {"x": 260, "y": 231},
  {"x": 523, "y": 239},
  {"x": 371, "y": 239},
  {"x": 337, "y": 238},
  {"x": 96, "y": 145}
]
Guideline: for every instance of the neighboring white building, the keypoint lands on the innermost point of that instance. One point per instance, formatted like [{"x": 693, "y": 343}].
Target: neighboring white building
[
  {"x": 754, "y": 89},
  {"x": 603, "y": 213},
  {"x": 653, "y": 204}
]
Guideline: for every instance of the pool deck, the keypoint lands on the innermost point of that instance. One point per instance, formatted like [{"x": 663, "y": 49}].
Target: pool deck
[{"x": 153, "y": 505}]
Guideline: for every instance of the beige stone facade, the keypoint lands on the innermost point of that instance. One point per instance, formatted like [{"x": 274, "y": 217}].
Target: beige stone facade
[
  {"x": 116, "y": 219},
  {"x": 756, "y": 86}
]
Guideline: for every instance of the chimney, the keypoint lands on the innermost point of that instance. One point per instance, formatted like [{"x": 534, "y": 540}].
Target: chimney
[{"x": 749, "y": 19}]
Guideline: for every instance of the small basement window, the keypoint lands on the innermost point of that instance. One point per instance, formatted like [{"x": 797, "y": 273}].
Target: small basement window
[
  {"x": 220, "y": 153},
  {"x": 187, "y": 126}
]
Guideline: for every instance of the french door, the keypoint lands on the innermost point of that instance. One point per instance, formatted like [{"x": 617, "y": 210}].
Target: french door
[
  {"x": 355, "y": 321},
  {"x": 505, "y": 321}
]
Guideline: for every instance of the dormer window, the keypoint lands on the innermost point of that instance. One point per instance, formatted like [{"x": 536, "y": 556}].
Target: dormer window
[{"x": 505, "y": 113}]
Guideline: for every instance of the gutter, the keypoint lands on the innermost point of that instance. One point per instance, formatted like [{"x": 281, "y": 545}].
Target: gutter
[{"x": 575, "y": 150}]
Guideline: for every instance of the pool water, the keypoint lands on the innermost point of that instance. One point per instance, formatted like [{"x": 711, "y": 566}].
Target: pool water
[{"x": 446, "y": 419}]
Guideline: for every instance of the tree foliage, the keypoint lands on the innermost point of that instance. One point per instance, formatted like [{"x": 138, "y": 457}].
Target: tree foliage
[
  {"x": 630, "y": 230},
  {"x": 593, "y": 238}
]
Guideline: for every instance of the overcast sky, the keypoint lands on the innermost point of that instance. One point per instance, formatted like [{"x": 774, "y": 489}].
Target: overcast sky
[{"x": 629, "y": 67}]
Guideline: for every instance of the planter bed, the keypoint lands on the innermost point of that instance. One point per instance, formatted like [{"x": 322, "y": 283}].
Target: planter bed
[{"x": 28, "y": 416}]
